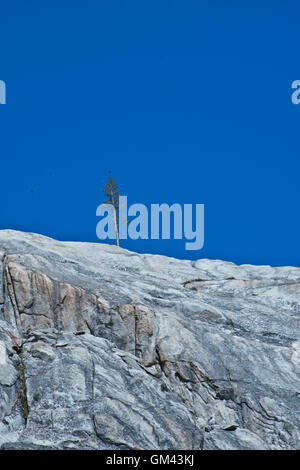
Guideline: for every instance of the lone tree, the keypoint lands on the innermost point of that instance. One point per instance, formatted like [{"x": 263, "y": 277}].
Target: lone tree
[{"x": 111, "y": 191}]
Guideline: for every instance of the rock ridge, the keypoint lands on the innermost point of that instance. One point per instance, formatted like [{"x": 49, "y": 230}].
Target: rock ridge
[{"x": 102, "y": 348}]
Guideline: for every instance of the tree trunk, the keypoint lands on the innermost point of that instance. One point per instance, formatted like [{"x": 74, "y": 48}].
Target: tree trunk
[{"x": 116, "y": 226}]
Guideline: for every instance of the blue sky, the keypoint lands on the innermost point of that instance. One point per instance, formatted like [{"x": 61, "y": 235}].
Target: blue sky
[{"x": 185, "y": 102}]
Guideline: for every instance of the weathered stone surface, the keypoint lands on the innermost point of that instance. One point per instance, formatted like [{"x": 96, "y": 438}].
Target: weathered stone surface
[{"x": 101, "y": 348}]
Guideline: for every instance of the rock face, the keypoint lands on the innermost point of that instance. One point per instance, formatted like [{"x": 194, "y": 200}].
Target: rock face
[{"x": 102, "y": 348}]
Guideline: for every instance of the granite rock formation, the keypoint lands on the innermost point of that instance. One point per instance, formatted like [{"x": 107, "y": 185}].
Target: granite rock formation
[{"x": 102, "y": 348}]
